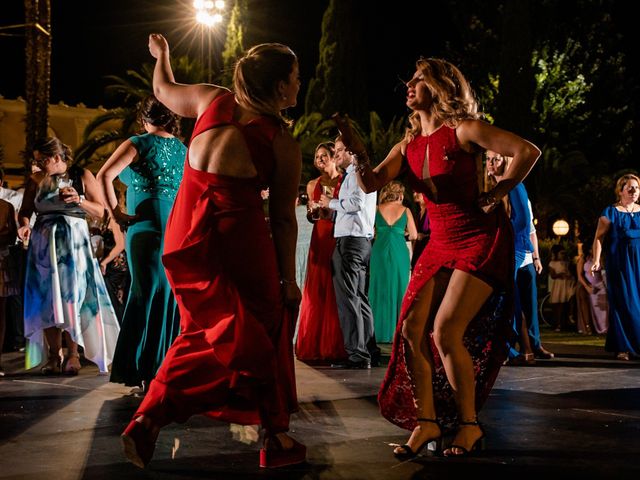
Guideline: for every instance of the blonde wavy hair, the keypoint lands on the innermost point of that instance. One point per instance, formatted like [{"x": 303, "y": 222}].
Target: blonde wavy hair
[
  {"x": 256, "y": 77},
  {"x": 453, "y": 97},
  {"x": 622, "y": 181},
  {"x": 391, "y": 192}
]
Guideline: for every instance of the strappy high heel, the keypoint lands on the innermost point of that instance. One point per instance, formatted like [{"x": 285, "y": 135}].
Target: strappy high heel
[
  {"x": 53, "y": 365},
  {"x": 138, "y": 443},
  {"x": 477, "y": 445},
  {"x": 279, "y": 456},
  {"x": 410, "y": 453}
]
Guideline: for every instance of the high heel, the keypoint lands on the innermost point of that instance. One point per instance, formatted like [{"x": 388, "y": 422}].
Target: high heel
[
  {"x": 408, "y": 452},
  {"x": 138, "y": 443},
  {"x": 279, "y": 457},
  {"x": 52, "y": 367},
  {"x": 477, "y": 445}
]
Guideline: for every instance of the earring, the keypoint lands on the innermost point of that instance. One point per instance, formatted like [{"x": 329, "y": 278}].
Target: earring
[{"x": 284, "y": 97}]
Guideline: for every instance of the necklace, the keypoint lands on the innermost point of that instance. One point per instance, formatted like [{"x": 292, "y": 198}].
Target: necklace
[{"x": 631, "y": 211}]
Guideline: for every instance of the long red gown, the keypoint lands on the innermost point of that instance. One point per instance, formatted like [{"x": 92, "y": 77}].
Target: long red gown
[
  {"x": 233, "y": 359},
  {"x": 463, "y": 238},
  {"x": 319, "y": 332}
]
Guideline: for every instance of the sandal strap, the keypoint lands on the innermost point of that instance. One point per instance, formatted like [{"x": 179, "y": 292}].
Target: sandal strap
[
  {"x": 408, "y": 449},
  {"x": 453, "y": 445},
  {"x": 473, "y": 422},
  {"x": 428, "y": 420}
]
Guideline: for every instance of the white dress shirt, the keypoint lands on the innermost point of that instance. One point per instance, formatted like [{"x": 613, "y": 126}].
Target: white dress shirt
[{"x": 355, "y": 210}]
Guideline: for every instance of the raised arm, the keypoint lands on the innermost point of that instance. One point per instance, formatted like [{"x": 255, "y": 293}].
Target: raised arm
[
  {"x": 601, "y": 231},
  {"x": 370, "y": 180},
  {"x": 282, "y": 214},
  {"x": 524, "y": 153},
  {"x": 185, "y": 100}
]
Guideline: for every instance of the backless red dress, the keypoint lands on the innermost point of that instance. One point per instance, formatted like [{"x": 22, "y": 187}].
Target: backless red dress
[
  {"x": 463, "y": 238},
  {"x": 319, "y": 332},
  {"x": 233, "y": 359}
]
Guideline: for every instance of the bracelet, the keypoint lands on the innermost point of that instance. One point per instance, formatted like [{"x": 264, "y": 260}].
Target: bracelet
[
  {"x": 81, "y": 199},
  {"x": 535, "y": 258}
]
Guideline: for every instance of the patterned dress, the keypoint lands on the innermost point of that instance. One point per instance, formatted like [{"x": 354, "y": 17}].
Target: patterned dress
[{"x": 64, "y": 287}]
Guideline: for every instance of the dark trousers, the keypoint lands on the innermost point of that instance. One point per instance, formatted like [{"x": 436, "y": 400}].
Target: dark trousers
[
  {"x": 350, "y": 263},
  {"x": 527, "y": 305}
]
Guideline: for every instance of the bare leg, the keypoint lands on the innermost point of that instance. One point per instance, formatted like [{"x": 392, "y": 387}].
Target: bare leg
[
  {"x": 463, "y": 299},
  {"x": 419, "y": 358},
  {"x": 73, "y": 357},
  {"x": 53, "y": 336}
]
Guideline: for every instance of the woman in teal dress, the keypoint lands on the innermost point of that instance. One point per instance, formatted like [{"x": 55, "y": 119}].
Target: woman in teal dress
[
  {"x": 151, "y": 166},
  {"x": 619, "y": 224},
  {"x": 390, "y": 260},
  {"x": 65, "y": 294}
]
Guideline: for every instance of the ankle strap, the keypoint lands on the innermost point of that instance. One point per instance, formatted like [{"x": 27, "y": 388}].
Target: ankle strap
[
  {"x": 473, "y": 422},
  {"x": 429, "y": 420}
]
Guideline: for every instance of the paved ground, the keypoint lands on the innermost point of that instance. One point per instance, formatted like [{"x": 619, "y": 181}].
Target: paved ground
[{"x": 577, "y": 416}]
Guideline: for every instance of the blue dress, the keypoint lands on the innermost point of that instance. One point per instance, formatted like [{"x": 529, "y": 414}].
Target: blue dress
[
  {"x": 623, "y": 281},
  {"x": 151, "y": 320},
  {"x": 389, "y": 275},
  {"x": 64, "y": 287}
]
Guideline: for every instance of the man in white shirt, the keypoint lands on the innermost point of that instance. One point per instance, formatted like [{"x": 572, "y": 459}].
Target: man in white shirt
[{"x": 355, "y": 217}]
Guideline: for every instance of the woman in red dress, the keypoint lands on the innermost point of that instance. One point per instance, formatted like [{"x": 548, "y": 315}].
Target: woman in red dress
[
  {"x": 319, "y": 333},
  {"x": 450, "y": 340},
  {"x": 234, "y": 284}
]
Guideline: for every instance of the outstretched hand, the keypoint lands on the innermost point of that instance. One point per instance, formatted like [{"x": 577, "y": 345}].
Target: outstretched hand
[
  {"x": 350, "y": 138},
  {"x": 157, "y": 45}
]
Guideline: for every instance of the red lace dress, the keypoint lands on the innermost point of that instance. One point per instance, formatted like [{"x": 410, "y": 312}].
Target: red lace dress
[
  {"x": 463, "y": 238},
  {"x": 319, "y": 332},
  {"x": 233, "y": 359}
]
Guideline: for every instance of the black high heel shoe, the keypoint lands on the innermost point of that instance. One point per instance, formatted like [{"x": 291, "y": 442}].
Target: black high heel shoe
[
  {"x": 408, "y": 452},
  {"x": 477, "y": 445}
]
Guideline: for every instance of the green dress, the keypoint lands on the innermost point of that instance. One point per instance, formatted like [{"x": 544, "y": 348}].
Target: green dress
[
  {"x": 151, "y": 320},
  {"x": 389, "y": 275}
]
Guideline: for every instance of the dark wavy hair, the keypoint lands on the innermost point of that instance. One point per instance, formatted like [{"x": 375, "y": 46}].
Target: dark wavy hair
[
  {"x": 151, "y": 111},
  {"x": 50, "y": 147}
]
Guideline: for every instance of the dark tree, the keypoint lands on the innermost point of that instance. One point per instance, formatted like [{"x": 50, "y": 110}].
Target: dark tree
[
  {"x": 340, "y": 82},
  {"x": 38, "y": 72},
  {"x": 235, "y": 41}
]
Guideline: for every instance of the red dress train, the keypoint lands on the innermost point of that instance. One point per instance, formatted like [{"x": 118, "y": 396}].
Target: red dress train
[
  {"x": 319, "y": 332},
  {"x": 462, "y": 238},
  {"x": 233, "y": 359}
]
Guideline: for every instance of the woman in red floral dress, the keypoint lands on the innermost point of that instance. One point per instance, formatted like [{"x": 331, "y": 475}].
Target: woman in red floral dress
[{"x": 451, "y": 337}]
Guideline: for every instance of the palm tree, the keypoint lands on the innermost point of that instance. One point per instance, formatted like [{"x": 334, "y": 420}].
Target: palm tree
[
  {"x": 38, "y": 72},
  {"x": 119, "y": 123}
]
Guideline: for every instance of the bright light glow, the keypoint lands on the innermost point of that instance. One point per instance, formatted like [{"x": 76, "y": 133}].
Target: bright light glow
[
  {"x": 560, "y": 227},
  {"x": 217, "y": 18},
  {"x": 208, "y": 4},
  {"x": 198, "y": 4},
  {"x": 204, "y": 18},
  {"x": 220, "y": 4}
]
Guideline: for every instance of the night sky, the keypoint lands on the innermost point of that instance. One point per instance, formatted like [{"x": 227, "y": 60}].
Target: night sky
[{"x": 93, "y": 39}]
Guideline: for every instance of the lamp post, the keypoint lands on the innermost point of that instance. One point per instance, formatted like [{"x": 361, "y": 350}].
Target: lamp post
[{"x": 208, "y": 15}]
